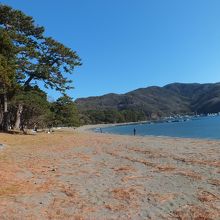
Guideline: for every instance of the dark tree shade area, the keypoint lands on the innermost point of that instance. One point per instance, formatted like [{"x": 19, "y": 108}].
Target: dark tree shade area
[{"x": 27, "y": 58}]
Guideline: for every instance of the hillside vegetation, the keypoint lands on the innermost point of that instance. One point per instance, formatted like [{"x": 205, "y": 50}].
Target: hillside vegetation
[{"x": 151, "y": 103}]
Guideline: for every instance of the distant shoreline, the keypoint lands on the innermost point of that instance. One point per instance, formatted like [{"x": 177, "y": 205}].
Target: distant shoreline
[
  {"x": 187, "y": 129},
  {"x": 94, "y": 126},
  {"x": 90, "y": 128}
]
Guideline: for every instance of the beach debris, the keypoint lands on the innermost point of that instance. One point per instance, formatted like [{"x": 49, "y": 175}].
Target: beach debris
[
  {"x": 124, "y": 169},
  {"x": 127, "y": 194},
  {"x": 121, "y": 193},
  {"x": 163, "y": 168},
  {"x": 161, "y": 198},
  {"x": 149, "y": 153},
  {"x": 195, "y": 212},
  {"x": 69, "y": 192},
  {"x": 205, "y": 196},
  {"x": 115, "y": 207},
  {"x": 126, "y": 178},
  {"x": 200, "y": 162},
  {"x": 189, "y": 173},
  {"x": 214, "y": 182}
]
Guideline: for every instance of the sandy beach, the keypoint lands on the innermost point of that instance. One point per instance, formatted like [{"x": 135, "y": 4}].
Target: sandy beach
[{"x": 83, "y": 175}]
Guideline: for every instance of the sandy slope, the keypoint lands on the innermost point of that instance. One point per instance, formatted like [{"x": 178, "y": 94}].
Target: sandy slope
[{"x": 79, "y": 175}]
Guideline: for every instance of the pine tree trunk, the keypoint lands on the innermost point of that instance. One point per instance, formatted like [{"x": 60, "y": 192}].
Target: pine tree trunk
[
  {"x": 18, "y": 116},
  {"x": 1, "y": 115},
  {"x": 5, "y": 121}
]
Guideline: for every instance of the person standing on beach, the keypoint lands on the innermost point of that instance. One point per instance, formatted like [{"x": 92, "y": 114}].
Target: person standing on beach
[
  {"x": 101, "y": 130},
  {"x": 134, "y": 131}
]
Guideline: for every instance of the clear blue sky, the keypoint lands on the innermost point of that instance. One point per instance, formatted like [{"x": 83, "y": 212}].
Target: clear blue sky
[{"x": 127, "y": 44}]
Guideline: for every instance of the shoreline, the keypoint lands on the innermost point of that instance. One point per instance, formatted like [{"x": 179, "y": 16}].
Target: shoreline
[{"x": 91, "y": 128}]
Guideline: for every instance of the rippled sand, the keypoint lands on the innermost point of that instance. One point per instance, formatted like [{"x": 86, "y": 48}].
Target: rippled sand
[{"x": 81, "y": 175}]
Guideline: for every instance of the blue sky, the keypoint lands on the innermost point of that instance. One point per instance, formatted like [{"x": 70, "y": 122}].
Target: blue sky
[{"x": 128, "y": 44}]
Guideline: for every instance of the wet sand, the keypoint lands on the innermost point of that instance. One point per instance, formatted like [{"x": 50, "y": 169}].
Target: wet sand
[{"x": 83, "y": 175}]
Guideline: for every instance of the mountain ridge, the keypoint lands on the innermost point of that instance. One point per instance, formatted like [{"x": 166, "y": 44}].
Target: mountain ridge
[{"x": 156, "y": 101}]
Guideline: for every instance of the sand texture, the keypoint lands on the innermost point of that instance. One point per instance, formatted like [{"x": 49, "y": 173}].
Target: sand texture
[{"x": 81, "y": 175}]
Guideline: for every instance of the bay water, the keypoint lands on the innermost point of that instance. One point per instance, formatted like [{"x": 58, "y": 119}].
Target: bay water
[{"x": 199, "y": 127}]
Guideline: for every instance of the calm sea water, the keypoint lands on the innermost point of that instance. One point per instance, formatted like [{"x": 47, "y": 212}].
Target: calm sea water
[{"x": 203, "y": 127}]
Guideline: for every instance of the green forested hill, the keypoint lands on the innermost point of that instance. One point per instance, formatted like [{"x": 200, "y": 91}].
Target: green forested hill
[{"x": 151, "y": 102}]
